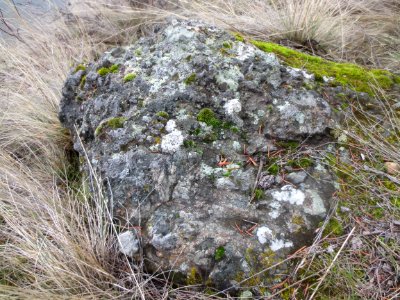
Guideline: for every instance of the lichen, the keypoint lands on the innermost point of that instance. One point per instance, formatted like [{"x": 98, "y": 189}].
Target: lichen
[
  {"x": 129, "y": 77},
  {"x": 345, "y": 74}
]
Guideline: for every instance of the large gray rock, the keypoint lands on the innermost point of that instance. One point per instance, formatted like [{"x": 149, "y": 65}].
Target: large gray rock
[{"x": 179, "y": 145}]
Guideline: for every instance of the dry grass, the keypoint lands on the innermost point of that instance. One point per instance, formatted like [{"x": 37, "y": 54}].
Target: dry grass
[{"x": 57, "y": 239}]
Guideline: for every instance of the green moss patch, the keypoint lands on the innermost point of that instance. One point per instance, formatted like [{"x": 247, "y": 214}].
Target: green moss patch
[
  {"x": 219, "y": 253},
  {"x": 333, "y": 227},
  {"x": 113, "y": 123},
  {"x": 190, "y": 80},
  {"x": 80, "y": 67},
  {"x": 104, "y": 71},
  {"x": 207, "y": 116},
  {"x": 346, "y": 74},
  {"x": 129, "y": 77}
]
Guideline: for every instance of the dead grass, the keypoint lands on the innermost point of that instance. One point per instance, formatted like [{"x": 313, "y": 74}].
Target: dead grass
[{"x": 57, "y": 239}]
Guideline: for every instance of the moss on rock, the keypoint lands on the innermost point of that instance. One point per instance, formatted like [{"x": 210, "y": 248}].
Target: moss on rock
[{"x": 346, "y": 74}]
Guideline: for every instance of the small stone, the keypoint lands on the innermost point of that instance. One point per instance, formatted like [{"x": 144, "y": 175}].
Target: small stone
[
  {"x": 296, "y": 177},
  {"x": 392, "y": 168},
  {"x": 128, "y": 243},
  {"x": 266, "y": 180}
]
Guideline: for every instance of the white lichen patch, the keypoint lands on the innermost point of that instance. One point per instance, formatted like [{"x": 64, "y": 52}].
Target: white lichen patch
[
  {"x": 171, "y": 142},
  {"x": 300, "y": 118},
  {"x": 232, "y": 106},
  {"x": 244, "y": 51},
  {"x": 317, "y": 206},
  {"x": 230, "y": 77},
  {"x": 176, "y": 34},
  {"x": 289, "y": 194},
  {"x": 171, "y": 126},
  {"x": 236, "y": 146},
  {"x": 207, "y": 170},
  {"x": 279, "y": 244},
  {"x": 264, "y": 234},
  {"x": 274, "y": 214}
]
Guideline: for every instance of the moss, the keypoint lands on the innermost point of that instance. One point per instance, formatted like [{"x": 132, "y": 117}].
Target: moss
[
  {"x": 273, "y": 168},
  {"x": 238, "y": 37},
  {"x": 104, "y": 71},
  {"x": 163, "y": 114},
  {"x": 129, "y": 77},
  {"x": 346, "y": 74},
  {"x": 196, "y": 131},
  {"x": 207, "y": 116},
  {"x": 298, "y": 220},
  {"x": 219, "y": 253},
  {"x": 258, "y": 194},
  {"x": 189, "y": 144},
  {"x": 227, "y": 174},
  {"x": 114, "y": 68},
  {"x": 378, "y": 212},
  {"x": 303, "y": 162},
  {"x": 190, "y": 80},
  {"x": 334, "y": 227},
  {"x": 83, "y": 81},
  {"x": 80, "y": 67},
  {"x": 268, "y": 258},
  {"x": 390, "y": 185},
  {"x": 193, "y": 277},
  {"x": 227, "y": 44},
  {"x": 113, "y": 123},
  {"x": 289, "y": 145},
  {"x": 157, "y": 140}
]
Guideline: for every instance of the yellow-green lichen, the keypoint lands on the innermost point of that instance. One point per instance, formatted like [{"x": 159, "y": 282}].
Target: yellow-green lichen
[
  {"x": 129, "y": 77},
  {"x": 346, "y": 74}
]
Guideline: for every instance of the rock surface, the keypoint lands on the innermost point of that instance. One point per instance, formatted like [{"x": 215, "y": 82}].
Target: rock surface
[{"x": 193, "y": 133}]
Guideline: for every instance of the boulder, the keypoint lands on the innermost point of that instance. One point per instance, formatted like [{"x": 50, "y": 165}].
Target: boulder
[{"x": 192, "y": 132}]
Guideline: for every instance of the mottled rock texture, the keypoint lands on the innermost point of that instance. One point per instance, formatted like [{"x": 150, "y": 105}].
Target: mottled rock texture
[{"x": 208, "y": 144}]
